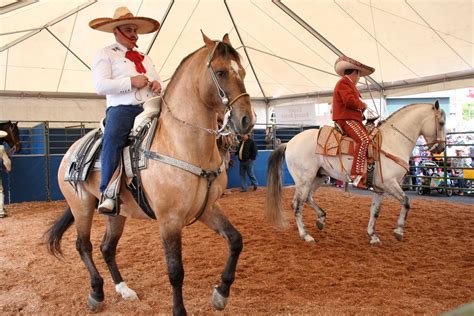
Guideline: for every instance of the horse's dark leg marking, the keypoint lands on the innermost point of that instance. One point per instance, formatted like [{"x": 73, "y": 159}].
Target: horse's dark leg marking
[
  {"x": 234, "y": 241},
  {"x": 84, "y": 247},
  {"x": 109, "y": 243},
  {"x": 172, "y": 247},
  {"x": 217, "y": 221}
]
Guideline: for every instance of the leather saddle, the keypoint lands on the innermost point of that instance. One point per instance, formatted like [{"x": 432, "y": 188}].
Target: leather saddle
[{"x": 86, "y": 155}]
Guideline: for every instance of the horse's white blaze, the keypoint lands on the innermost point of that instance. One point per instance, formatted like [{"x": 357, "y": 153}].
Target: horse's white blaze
[
  {"x": 126, "y": 292},
  {"x": 235, "y": 67}
]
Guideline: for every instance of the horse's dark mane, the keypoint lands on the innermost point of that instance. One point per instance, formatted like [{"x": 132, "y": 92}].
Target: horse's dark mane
[{"x": 222, "y": 49}]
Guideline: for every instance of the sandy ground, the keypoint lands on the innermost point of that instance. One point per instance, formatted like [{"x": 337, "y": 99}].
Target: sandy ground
[{"x": 431, "y": 271}]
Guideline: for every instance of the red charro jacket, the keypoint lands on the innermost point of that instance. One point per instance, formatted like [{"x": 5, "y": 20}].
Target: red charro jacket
[{"x": 347, "y": 104}]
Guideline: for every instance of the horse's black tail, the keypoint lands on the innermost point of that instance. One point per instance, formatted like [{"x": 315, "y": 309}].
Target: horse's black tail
[
  {"x": 274, "y": 211},
  {"x": 55, "y": 233}
]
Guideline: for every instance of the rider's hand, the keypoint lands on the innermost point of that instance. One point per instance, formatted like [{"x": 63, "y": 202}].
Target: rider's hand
[
  {"x": 155, "y": 87},
  {"x": 139, "y": 81}
]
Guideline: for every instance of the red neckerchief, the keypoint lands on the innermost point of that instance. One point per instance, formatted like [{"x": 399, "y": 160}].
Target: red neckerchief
[{"x": 137, "y": 58}]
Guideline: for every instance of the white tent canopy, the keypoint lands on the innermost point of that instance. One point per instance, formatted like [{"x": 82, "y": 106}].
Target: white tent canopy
[{"x": 288, "y": 47}]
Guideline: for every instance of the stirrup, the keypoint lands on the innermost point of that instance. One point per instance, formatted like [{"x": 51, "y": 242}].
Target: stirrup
[
  {"x": 107, "y": 207},
  {"x": 356, "y": 180}
]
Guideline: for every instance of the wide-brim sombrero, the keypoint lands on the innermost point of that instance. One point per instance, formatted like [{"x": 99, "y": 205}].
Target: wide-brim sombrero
[
  {"x": 123, "y": 16},
  {"x": 343, "y": 63}
]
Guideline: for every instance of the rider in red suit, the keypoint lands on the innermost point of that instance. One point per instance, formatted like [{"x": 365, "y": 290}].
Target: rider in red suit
[{"x": 347, "y": 112}]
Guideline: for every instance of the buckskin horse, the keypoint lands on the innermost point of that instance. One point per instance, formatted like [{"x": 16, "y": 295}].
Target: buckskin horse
[
  {"x": 186, "y": 131},
  {"x": 309, "y": 170},
  {"x": 13, "y": 136}
]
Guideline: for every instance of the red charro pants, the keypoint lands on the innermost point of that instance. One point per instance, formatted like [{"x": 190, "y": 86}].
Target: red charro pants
[{"x": 359, "y": 134}]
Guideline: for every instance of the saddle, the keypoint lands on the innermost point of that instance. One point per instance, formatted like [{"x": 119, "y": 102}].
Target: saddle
[
  {"x": 332, "y": 141},
  {"x": 86, "y": 157}
]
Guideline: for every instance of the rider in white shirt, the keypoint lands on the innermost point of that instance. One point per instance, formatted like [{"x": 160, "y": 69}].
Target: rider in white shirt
[{"x": 128, "y": 79}]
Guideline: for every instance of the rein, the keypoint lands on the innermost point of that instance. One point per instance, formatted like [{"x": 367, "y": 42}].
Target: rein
[{"x": 433, "y": 144}]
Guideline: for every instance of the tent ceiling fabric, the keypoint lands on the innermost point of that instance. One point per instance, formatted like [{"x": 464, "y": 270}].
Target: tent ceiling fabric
[{"x": 48, "y": 46}]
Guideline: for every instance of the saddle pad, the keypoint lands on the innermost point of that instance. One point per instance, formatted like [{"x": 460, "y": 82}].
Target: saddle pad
[
  {"x": 86, "y": 155},
  {"x": 331, "y": 143},
  {"x": 83, "y": 157}
]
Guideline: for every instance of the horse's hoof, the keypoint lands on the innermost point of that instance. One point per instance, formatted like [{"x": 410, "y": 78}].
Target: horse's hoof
[
  {"x": 94, "y": 305},
  {"x": 126, "y": 292},
  {"x": 398, "y": 234},
  {"x": 308, "y": 238},
  {"x": 320, "y": 225},
  {"x": 374, "y": 240},
  {"x": 218, "y": 301}
]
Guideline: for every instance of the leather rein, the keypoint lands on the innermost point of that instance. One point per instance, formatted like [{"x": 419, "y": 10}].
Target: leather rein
[{"x": 433, "y": 144}]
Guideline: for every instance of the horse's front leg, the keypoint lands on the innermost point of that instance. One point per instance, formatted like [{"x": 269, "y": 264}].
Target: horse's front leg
[
  {"x": 398, "y": 193},
  {"x": 374, "y": 214},
  {"x": 215, "y": 220},
  {"x": 108, "y": 248},
  {"x": 171, "y": 240}
]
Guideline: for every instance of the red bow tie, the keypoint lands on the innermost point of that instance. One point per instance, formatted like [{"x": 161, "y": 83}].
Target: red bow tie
[{"x": 137, "y": 58}]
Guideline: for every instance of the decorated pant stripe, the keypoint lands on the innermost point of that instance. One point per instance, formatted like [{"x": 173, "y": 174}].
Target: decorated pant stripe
[{"x": 364, "y": 144}]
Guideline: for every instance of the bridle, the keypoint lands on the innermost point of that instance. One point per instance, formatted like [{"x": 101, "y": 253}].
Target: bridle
[
  {"x": 222, "y": 95},
  {"x": 221, "y": 92},
  {"x": 438, "y": 140}
]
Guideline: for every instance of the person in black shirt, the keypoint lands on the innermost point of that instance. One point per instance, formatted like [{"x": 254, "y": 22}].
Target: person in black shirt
[{"x": 247, "y": 153}]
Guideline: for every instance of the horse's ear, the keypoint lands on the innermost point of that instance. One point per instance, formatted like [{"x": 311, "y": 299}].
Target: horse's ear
[
  {"x": 209, "y": 43},
  {"x": 437, "y": 105},
  {"x": 226, "y": 39}
]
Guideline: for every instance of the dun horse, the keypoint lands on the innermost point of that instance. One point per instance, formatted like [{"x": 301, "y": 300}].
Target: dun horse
[
  {"x": 13, "y": 136},
  {"x": 309, "y": 170},
  {"x": 207, "y": 83}
]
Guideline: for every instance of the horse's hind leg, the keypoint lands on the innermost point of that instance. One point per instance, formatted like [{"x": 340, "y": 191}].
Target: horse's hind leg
[
  {"x": 215, "y": 220},
  {"x": 321, "y": 221},
  {"x": 83, "y": 217},
  {"x": 374, "y": 214},
  {"x": 108, "y": 247},
  {"x": 301, "y": 195}
]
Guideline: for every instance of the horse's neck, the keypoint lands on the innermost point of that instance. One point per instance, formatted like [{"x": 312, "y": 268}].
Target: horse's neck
[
  {"x": 400, "y": 132},
  {"x": 185, "y": 140}
]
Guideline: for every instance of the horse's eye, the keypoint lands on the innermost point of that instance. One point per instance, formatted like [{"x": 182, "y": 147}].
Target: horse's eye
[{"x": 221, "y": 73}]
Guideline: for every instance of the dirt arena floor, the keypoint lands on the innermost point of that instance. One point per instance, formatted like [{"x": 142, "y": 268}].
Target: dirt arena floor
[{"x": 430, "y": 272}]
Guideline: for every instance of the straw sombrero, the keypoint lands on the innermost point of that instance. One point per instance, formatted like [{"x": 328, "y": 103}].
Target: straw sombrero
[
  {"x": 123, "y": 16},
  {"x": 3, "y": 134},
  {"x": 343, "y": 63}
]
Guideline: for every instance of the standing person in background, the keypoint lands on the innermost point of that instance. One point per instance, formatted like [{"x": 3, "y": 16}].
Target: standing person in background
[
  {"x": 128, "y": 78},
  {"x": 4, "y": 160},
  {"x": 458, "y": 163},
  {"x": 247, "y": 152},
  {"x": 347, "y": 113}
]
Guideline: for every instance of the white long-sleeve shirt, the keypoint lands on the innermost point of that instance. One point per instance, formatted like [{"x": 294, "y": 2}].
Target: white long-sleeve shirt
[{"x": 112, "y": 74}]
